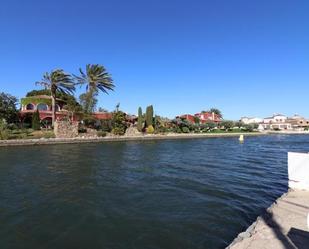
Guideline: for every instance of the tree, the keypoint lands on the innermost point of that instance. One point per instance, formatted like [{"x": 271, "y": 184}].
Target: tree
[
  {"x": 196, "y": 120},
  {"x": 119, "y": 123},
  {"x": 227, "y": 124},
  {"x": 239, "y": 124},
  {"x": 101, "y": 109},
  {"x": 216, "y": 111},
  {"x": 149, "y": 116},
  {"x": 57, "y": 81},
  {"x": 36, "y": 125},
  {"x": 96, "y": 79},
  {"x": 73, "y": 107},
  {"x": 8, "y": 110},
  {"x": 88, "y": 102},
  {"x": 140, "y": 120}
]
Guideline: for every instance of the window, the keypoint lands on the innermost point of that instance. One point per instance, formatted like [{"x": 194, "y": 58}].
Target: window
[
  {"x": 57, "y": 108},
  {"x": 30, "y": 107},
  {"x": 42, "y": 107}
]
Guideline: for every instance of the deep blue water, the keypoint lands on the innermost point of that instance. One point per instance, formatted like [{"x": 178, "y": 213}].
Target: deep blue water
[{"x": 192, "y": 193}]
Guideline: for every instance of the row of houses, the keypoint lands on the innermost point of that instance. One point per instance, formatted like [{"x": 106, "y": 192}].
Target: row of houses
[{"x": 278, "y": 122}]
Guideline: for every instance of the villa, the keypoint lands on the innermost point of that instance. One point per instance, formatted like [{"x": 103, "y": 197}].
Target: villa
[
  {"x": 276, "y": 122},
  {"x": 43, "y": 104},
  {"x": 298, "y": 122},
  {"x": 208, "y": 117},
  {"x": 203, "y": 117}
]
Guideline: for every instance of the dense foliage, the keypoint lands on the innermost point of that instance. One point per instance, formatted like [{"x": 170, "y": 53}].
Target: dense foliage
[
  {"x": 36, "y": 125},
  {"x": 140, "y": 120},
  {"x": 119, "y": 123},
  {"x": 8, "y": 110},
  {"x": 149, "y": 116}
]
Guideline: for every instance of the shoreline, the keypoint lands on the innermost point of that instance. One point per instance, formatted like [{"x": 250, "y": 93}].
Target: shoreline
[{"x": 47, "y": 141}]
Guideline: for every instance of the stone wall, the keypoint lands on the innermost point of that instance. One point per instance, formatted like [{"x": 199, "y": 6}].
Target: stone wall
[
  {"x": 66, "y": 129},
  {"x": 132, "y": 131}
]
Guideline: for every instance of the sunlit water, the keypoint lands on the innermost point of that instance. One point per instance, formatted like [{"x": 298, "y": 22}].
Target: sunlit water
[{"x": 167, "y": 194}]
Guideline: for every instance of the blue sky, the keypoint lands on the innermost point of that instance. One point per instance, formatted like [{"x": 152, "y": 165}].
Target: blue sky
[{"x": 245, "y": 57}]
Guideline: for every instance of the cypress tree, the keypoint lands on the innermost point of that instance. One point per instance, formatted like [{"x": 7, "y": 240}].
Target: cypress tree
[
  {"x": 140, "y": 120},
  {"x": 36, "y": 125},
  {"x": 149, "y": 116}
]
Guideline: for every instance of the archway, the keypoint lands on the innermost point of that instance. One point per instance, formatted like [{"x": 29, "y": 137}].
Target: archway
[
  {"x": 30, "y": 107},
  {"x": 42, "y": 107},
  {"x": 46, "y": 123}
]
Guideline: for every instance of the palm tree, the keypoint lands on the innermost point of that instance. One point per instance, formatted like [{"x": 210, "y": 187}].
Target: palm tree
[
  {"x": 57, "y": 81},
  {"x": 96, "y": 78}
]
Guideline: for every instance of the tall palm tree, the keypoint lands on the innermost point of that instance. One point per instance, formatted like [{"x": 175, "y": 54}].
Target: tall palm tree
[
  {"x": 57, "y": 81},
  {"x": 96, "y": 79}
]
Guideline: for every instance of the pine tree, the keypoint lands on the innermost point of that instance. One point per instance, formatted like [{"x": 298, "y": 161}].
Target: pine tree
[{"x": 36, "y": 125}]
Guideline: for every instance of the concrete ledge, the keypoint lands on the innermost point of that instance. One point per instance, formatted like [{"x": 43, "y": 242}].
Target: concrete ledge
[
  {"x": 43, "y": 141},
  {"x": 282, "y": 226}
]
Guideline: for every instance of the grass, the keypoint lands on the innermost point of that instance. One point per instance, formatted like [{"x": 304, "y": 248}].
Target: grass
[{"x": 26, "y": 134}]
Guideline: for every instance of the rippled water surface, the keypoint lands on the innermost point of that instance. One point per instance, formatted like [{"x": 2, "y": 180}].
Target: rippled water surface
[{"x": 197, "y": 193}]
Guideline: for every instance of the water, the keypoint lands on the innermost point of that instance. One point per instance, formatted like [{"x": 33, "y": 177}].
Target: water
[{"x": 197, "y": 193}]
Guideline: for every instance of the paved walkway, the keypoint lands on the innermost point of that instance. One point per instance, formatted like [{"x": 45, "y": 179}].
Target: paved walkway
[{"x": 284, "y": 225}]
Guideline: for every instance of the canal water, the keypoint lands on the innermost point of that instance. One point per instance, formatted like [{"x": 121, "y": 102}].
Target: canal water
[{"x": 191, "y": 193}]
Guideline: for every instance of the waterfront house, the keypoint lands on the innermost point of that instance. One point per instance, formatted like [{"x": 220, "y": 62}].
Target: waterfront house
[
  {"x": 276, "y": 122},
  {"x": 205, "y": 117},
  {"x": 43, "y": 104},
  {"x": 190, "y": 118},
  {"x": 298, "y": 122}
]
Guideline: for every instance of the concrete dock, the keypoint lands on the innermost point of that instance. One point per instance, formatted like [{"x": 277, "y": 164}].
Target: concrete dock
[{"x": 283, "y": 226}]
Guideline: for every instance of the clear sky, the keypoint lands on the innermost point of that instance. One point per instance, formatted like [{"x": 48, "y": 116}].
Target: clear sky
[{"x": 247, "y": 58}]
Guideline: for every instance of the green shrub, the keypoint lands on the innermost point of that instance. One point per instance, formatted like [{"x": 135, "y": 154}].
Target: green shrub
[
  {"x": 4, "y": 135},
  {"x": 36, "y": 125},
  {"x": 185, "y": 130},
  {"x": 101, "y": 133},
  {"x": 150, "y": 129},
  {"x": 248, "y": 127},
  {"x": 119, "y": 123},
  {"x": 82, "y": 130},
  {"x": 118, "y": 131},
  {"x": 49, "y": 134},
  {"x": 106, "y": 125}
]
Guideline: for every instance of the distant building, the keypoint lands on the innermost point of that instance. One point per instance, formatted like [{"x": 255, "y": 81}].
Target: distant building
[
  {"x": 276, "y": 122},
  {"x": 190, "y": 118},
  {"x": 203, "y": 117},
  {"x": 298, "y": 122},
  {"x": 247, "y": 120},
  {"x": 208, "y": 117}
]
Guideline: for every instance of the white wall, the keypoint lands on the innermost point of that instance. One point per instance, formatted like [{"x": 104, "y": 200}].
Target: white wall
[{"x": 298, "y": 169}]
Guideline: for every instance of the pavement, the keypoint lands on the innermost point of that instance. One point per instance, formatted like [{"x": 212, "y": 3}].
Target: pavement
[{"x": 283, "y": 226}]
